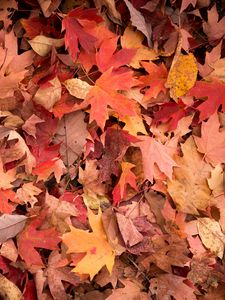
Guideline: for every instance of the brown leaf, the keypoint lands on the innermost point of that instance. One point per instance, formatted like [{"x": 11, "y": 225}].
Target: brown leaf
[
  {"x": 10, "y": 226},
  {"x": 129, "y": 232}
]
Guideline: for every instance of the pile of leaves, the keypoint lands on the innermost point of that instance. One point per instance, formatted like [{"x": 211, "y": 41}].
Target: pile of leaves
[{"x": 112, "y": 149}]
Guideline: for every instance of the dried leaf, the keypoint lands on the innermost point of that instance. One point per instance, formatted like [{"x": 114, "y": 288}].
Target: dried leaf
[{"x": 211, "y": 235}]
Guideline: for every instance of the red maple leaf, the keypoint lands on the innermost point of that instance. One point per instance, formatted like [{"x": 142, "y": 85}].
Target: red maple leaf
[
  {"x": 214, "y": 91},
  {"x": 31, "y": 238},
  {"x": 75, "y": 31}
]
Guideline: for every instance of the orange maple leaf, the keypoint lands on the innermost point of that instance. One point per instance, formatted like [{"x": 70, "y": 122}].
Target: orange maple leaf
[
  {"x": 127, "y": 177},
  {"x": 107, "y": 92},
  {"x": 98, "y": 251}
]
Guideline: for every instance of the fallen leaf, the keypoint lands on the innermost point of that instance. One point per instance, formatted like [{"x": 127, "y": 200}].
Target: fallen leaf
[
  {"x": 8, "y": 290},
  {"x": 77, "y": 88},
  {"x": 126, "y": 177},
  {"x": 132, "y": 290},
  {"x": 10, "y": 226},
  {"x": 138, "y": 21},
  {"x": 48, "y": 95},
  {"x": 42, "y": 45},
  {"x": 182, "y": 76},
  {"x": 190, "y": 180},
  {"x": 72, "y": 141},
  {"x": 171, "y": 285},
  {"x": 9, "y": 250},
  {"x": 129, "y": 232},
  {"x": 27, "y": 193},
  {"x": 185, "y": 4},
  {"x": 133, "y": 40},
  {"x": 155, "y": 153},
  {"x": 211, "y": 142},
  {"x": 211, "y": 235},
  {"x": 31, "y": 238},
  {"x": 214, "y": 90},
  {"x": 95, "y": 244},
  {"x": 213, "y": 28}
]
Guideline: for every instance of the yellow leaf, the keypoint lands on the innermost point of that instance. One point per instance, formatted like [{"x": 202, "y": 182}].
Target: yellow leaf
[
  {"x": 133, "y": 40},
  {"x": 189, "y": 188},
  {"x": 211, "y": 235},
  {"x": 134, "y": 125},
  {"x": 99, "y": 252},
  {"x": 182, "y": 75}
]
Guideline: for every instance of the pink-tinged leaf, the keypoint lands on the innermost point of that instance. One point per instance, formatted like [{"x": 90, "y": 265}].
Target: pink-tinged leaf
[
  {"x": 212, "y": 141},
  {"x": 185, "y": 4},
  {"x": 154, "y": 153},
  {"x": 129, "y": 232},
  {"x": 126, "y": 177},
  {"x": 31, "y": 238},
  {"x": 214, "y": 28}
]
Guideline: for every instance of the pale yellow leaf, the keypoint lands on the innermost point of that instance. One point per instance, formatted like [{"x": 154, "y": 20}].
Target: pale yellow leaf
[
  {"x": 211, "y": 235},
  {"x": 42, "y": 45},
  {"x": 77, "y": 88}
]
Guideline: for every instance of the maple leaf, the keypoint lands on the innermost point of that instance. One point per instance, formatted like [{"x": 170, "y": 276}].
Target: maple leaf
[
  {"x": 156, "y": 80},
  {"x": 129, "y": 232},
  {"x": 105, "y": 93},
  {"x": 182, "y": 75},
  {"x": 75, "y": 32},
  {"x": 189, "y": 188},
  {"x": 98, "y": 251},
  {"x": 185, "y": 4},
  {"x": 171, "y": 285},
  {"x": 45, "y": 169},
  {"x": 212, "y": 141},
  {"x": 31, "y": 238},
  {"x": 106, "y": 58},
  {"x": 116, "y": 143},
  {"x": 126, "y": 177},
  {"x": 153, "y": 152},
  {"x": 6, "y": 206},
  {"x": 27, "y": 193},
  {"x": 215, "y": 93},
  {"x": 170, "y": 112},
  {"x": 132, "y": 290},
  {"x": 133, "y": 40},
  {"x": 56, "y": 274},
  {"x": 213, "y": 28}
]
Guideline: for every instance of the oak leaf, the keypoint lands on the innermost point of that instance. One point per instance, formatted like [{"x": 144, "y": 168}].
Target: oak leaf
[
  {"x": 95, "y": 244},
  {"x": 182, "y": 75},
  {"x": 212, "y": 141},
  {"x": 189, "y": 188}
]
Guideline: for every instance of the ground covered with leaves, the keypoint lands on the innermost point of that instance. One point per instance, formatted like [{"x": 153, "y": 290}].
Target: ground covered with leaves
[{"x": 112, "y": 149}]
